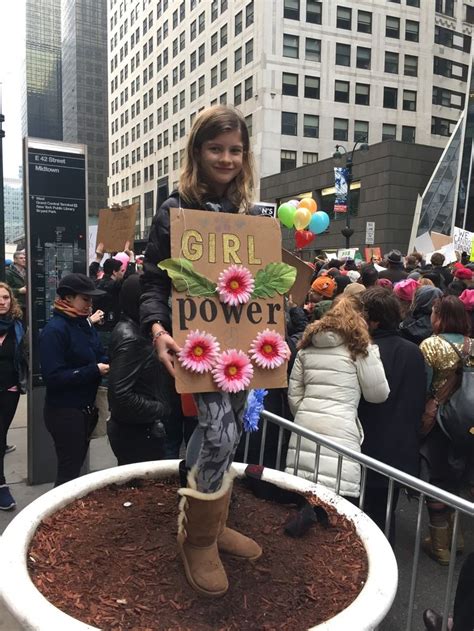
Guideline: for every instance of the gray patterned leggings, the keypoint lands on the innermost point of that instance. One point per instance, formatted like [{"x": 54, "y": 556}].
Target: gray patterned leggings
[{"x": 214, "y": 441}]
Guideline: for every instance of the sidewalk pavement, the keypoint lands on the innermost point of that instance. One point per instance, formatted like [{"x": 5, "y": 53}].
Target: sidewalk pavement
[{"x": 101, "y": 457}]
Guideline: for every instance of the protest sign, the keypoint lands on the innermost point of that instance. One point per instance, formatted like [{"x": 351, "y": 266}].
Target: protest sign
[
  {"x": 348, "y": 253},
  {"x": 116, "y": 227},
  {"x": 204, "y": 246},
  {"x": 304, "y": 274},
  {"x": 462, "y": 240},
  {"x": 372, "y": 254},
  {"x": 440, "y": 240},
  {"x": 370, "y": 232}
]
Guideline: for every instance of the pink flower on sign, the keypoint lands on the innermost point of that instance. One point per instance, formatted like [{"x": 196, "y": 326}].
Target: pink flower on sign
[
  {"x": 233, "y": 371},
  {"x": 199, "y": 352},
  {"x": 269, "y": 349},
  {"x": 235, "y": 285}
]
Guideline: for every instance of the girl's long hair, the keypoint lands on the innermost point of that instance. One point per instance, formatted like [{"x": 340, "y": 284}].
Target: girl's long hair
[
  {"x": 15, "y": 309},
  {"x": 344, "y": 318},
  {"x": 210, "y": 123}
]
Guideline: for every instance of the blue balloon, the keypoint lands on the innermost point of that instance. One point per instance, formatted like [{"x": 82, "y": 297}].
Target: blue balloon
[{"x": 319, "y": 222}]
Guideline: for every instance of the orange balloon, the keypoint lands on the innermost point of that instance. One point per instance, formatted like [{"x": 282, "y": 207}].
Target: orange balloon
[{"x": 309, "y": 203}]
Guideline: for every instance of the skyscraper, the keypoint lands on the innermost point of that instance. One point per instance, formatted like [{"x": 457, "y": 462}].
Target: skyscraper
[
  {"x": 306, "y": 74},
  {"x": 42, "y": 101},
  {"x": 84, "y": 93}
]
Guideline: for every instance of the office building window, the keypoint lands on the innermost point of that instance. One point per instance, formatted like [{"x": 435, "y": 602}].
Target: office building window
[
  {"x": 341, "y": 129},
  {"x": 238, "y": 94},
  {"x": 289, "y": 123},
  {"x": 392, "y": 27},
  {"x": 248, "y": 122},
  {"x": 448, "y": 98},
  {"x": 311, "y": 87},
  {"x": 213, "y": 76},
  {"x": 309, "y": 157},
  {"x": 362, "y": 94},
  {"x": 291, "y": 45},
  {"x": 291, "y": 9},
  {"x": 249, "y": 51},
  {"x": 310, "y": 126},
  {"x": 343, "y": 55},
  {"x": 442, "y": 126},
  {"x": 361, "y": 131},
  {"x": 313, "y": 11},
  {"x": 410, "y": 68},
  {"x": 390, "y": 98},
  {"x": 391, "y": 62},
  {"x": 223, "y": 69},
  {"x": 412, "y": 31},
  {"x": 313, "y": 49},
  {"x": 344, "y": 18},
  {"x": 363, "y": 59},
  {"x": 364, "y": 22},
  {"x": 223, "y": 98},
  {"x": 201, "y": 85},
  {"x": 238, "y": 59},
  {"x": 287, "y": 160},
  {"x": 408, "y": 133},
  {"x": 201, "y": 22},
  {"x": 248, "y": 88},
  {"x": 389, "y": 132},
  {"x": 213, "y": 43},
  {"x": 249, "y": 14},
  {"x": 238, "y": 23},
  {"x": 223, "y": 35},
  {"x": 341, "y": 91},
  {"x": 409, "y": 100},
  {"x": 413, "y": 3},
  {"x": 289, "y": 84}
]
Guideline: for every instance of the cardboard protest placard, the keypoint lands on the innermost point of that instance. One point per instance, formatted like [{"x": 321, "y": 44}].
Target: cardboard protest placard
[
  {"x": 348, "y": 253},
  {"x": 304, "y": 274},
  {"x": 116, "y": 227},
  {"x": 369, "y": 253},
  {"x": 462, "y": 240},
  {"x": 203, "y": 246},
  {"x": 439, "y": 240}
]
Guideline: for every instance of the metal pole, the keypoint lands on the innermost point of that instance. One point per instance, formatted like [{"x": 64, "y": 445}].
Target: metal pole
[
  {"x": 348, "y": 231},
  {"x": 2, "y": 201}
]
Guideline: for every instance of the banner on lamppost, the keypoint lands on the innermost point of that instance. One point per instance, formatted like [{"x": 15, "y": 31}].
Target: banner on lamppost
[{"x": 341, "y": 184}]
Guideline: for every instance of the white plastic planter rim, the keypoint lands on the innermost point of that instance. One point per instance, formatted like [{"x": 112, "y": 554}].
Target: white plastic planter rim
[{"x": 31, "y": 609}]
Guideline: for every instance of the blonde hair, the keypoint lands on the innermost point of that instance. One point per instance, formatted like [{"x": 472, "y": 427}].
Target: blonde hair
[
  {"x": 15, "y": 309},
  {"x": 210, "y": 123},
  {"x": 345, "y": 318},
  {"x": 425, "y": 281}
]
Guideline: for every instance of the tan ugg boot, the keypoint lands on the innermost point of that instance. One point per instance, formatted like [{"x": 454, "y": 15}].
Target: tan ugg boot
[
  {"x": 437, "y": 544},
  {"x": 460, "y": 539},
  {"x": 235, "y": 543},
  {"x": 199, "y": 524}
]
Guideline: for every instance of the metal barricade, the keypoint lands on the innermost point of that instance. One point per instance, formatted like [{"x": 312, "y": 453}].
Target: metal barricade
[{"x": 394, "y": 476}]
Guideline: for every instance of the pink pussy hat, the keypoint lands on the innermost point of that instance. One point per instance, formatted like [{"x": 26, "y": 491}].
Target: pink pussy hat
[
  {"x": 405, "y": 289},
  {"x": 124, "y": 259},
  {"x": 467, "y": 298}
]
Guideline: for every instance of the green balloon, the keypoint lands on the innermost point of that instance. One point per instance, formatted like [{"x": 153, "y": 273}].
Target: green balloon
[{"x": 286, "y": 213}]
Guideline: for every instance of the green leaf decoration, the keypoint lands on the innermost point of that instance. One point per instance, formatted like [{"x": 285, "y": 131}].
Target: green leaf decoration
[
  {"x": 275, "y": 278},
  {"x": 185, "y": 278}
]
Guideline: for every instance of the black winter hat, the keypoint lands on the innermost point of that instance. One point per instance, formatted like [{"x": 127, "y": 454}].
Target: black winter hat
[{"x": 77, "y": 284}]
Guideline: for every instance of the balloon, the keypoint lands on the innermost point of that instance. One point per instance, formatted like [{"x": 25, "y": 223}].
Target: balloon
[
  {"x": 294, "y": 202},
  {"x": 303, "y": 238},
  {"x": 286, "y": 213},
  {"x": 325, "y": 218},
  {"x": 301, "y": 218},
  {"x": 319, "y": 222},
  {"x": 309, "y": 203}
]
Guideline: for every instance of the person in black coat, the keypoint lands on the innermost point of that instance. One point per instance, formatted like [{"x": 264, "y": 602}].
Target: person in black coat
[
  {"x": 137, "y": 406},
  {"x": 391, "y": 428},
  {"x": 416, "y": 326},
  {"x": 395, "y": 271}
]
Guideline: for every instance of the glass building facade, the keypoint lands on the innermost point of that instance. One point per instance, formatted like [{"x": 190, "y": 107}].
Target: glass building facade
[
  {"x": 42, "y": 102},
  {"x": 84, "y": 89}
]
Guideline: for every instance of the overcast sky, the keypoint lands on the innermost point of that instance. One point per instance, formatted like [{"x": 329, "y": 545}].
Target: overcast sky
[{"x": 12, "y": 28}]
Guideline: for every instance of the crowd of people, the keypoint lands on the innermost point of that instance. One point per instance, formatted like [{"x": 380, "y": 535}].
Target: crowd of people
[{"x": 374, "y": 353}]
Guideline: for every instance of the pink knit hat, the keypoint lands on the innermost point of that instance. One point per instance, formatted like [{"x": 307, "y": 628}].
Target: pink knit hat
[
  {"x": 467, "y": 298},
  {"x": 405, "y": 289},
  {"x": 124, "y": 259}
]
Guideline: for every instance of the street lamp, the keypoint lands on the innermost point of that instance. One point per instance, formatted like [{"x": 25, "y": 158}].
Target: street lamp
[{"x": 347, "y": 231}]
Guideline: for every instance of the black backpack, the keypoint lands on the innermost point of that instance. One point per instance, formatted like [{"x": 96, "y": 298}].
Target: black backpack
[{"x": 456, "y": 416}]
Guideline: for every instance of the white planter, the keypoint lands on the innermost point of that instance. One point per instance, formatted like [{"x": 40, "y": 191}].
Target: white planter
[{"x": 29, "y": 607}]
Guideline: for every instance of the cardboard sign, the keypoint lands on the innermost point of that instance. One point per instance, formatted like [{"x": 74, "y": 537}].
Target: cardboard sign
[
  {"x": 369, "y": 253},
  {"x": 423, "y": 243},
  {"x": 439, "y": 240},
  {"x": 348, "y": 253},
  {"x": 116, "y": 227},
  {"x": 462, "y": 240},
  {"x": 212, "y": 242},
  {"x": 304, "y": 274},
  {"x": 370, "y": 232}
]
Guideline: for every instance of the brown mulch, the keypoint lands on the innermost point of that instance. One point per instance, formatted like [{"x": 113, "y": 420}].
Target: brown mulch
[{"x": 115, "y": 566}]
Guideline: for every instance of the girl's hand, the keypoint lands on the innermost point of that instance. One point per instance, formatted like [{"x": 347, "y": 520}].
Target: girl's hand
[
  {"x": 103, "y": 369},
  {"x": 166, "y": 348},
  {"x": 97, "y": 317}
]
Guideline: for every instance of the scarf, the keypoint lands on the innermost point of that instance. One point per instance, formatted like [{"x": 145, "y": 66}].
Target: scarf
[
  {"x": 6, "y": 323},
  {"x": 64, "y": 307}
]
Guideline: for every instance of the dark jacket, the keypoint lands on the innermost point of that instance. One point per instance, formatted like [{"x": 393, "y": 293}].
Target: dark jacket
[
  {"x": 109, "y": 303},
  {"x": 394, "y": 274},
  {"x": 416, "y": 326},
  {"x": 16, "y": 281},
  {"x": 155, "y": 282},
  {"x": 70, "y": 350},
  {"x": 14, "y": 359},
  {"x": 135, "y": 381},
  {"x": 445, "y": 275},
  {"x": 391, "y": 428}
]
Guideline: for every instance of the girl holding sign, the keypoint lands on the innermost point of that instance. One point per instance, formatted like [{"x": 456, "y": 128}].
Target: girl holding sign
[{"x": 217, "y": 176}]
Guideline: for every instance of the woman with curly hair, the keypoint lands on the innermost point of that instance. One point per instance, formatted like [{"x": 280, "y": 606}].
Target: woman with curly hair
[
  {"x": 13, "y": 376},
  {"x": 335, "y": 364}
]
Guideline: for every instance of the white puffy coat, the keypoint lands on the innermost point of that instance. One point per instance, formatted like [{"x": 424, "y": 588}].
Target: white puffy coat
[{"x": 324, "y": 392}]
